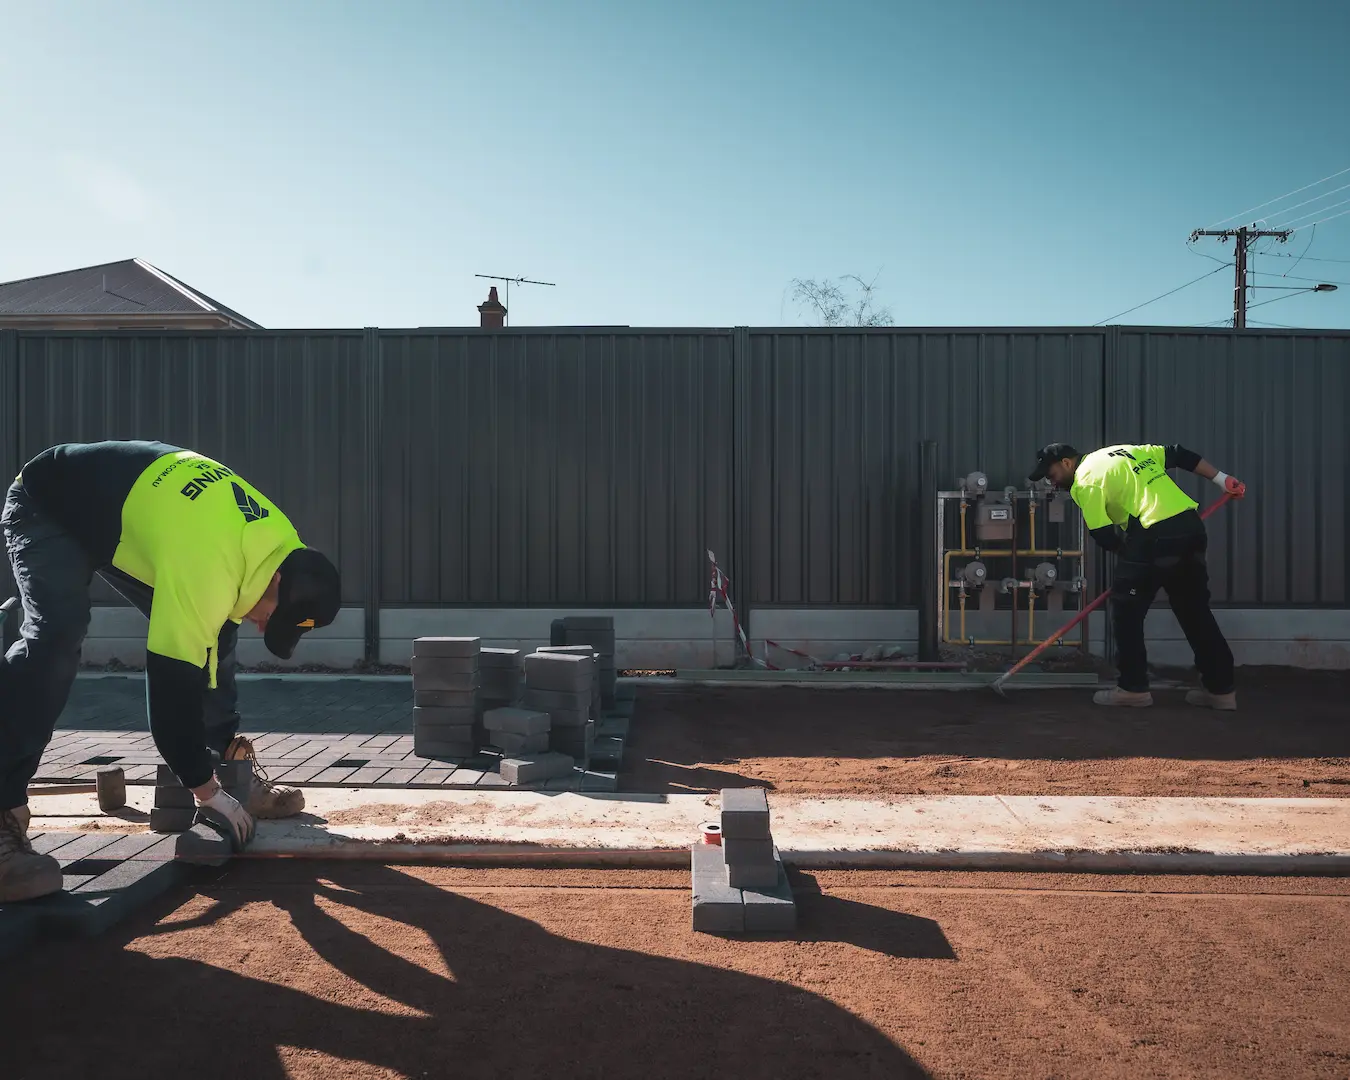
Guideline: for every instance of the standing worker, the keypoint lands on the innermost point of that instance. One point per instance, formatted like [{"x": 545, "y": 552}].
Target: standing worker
[
  {"x": 185, "y": 538},
  {"x": 1132, "y": 507}
]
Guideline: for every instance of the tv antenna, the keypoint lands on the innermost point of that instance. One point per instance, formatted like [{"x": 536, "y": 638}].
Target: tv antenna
[{"x": 506, "y": 291}]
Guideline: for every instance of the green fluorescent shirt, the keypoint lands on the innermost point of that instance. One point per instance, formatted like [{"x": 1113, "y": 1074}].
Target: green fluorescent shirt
[
  {"x": 208, "y": 543},
  {"x": 1116, "y": 483}
]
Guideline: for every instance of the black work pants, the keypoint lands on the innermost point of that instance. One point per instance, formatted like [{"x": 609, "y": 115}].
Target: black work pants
[
  {"x": 53, "y": 573},
  {"x": 1169, "y": 556}
]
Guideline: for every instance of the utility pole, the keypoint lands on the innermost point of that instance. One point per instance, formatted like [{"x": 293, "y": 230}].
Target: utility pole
[
  {"x": 506, "y": 289},
  {"x": 1244, "y": 238}
]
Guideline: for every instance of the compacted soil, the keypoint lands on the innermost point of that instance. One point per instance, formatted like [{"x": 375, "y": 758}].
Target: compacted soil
[
  {"x": 307, "y": 969},
  {"x": 1290, "y": 737}
]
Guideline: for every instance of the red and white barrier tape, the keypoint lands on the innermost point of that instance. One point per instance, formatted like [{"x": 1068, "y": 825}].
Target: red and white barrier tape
[
  {"x": 794, "y": 652},
  {"x": 718, "y": 588}
]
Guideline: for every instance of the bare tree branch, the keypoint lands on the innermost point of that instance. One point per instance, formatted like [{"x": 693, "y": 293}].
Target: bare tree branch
[{"x": 828, "y": 303}]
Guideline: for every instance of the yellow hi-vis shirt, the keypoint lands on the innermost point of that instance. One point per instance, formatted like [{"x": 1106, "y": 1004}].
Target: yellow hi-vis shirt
[
  {"x": 208, "y": 543},
  {"x": 1116, "y": 483}
]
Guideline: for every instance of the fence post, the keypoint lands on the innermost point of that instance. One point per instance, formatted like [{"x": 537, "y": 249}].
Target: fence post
[
  {"x": 741, "y": 479},
  {"x": 928, "y": 551},
  {"x": 372, "y": 368},
  {"x": 11, "y": 449}
]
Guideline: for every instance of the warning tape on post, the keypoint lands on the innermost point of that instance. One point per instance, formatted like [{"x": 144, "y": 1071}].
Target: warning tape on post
[{"x": 719, "y": 589}]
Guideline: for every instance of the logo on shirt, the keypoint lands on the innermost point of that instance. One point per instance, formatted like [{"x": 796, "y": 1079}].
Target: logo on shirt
[{"x": 248, "y": 506}]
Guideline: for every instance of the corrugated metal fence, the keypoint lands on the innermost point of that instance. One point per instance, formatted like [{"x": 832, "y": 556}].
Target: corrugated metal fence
[{"x": 594, "y": 467}]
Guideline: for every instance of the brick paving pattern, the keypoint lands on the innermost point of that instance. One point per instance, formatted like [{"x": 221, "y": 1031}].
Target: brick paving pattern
[{"x": 335, "y": 732}]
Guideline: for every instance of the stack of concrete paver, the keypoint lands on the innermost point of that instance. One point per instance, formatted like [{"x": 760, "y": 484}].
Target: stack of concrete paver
[
  {"x": 597, "y": 631},
  {"x": 501, "y": 680},
  {"x": 561, "y": 680},
  {"x": 561, "y": 686},
  {"x": 740, "y": 885},
  {"x": 175, "y": 807},
  {"x": 446, "y": 707}
]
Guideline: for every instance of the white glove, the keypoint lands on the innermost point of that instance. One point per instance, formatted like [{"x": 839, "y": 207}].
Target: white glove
[{"x": 225, "y": 812}]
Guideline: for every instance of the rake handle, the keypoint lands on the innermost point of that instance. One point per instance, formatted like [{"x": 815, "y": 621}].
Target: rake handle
[{"x": 1082, "y": 614}]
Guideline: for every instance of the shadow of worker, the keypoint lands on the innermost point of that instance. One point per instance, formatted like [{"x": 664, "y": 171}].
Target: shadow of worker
[{"x": 472, "y": 990}]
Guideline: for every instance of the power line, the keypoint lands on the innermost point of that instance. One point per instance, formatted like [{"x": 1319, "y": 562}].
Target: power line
[
  {"x": 1282, "y": 326},
  {"x": 1332, "y": 218},
  {"x": 1315, "y": 198},
  {"x": 1313, "y": 213},
  {"x": 1300, "y": 277},
  {"x": 1209, "y": 273},
  {"x": 1277, "y": 299},
  {"x": 1277, "y": 198},
  {"x": 1309, "y": 258}
]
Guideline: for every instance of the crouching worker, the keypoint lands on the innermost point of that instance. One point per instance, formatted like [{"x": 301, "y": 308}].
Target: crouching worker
[
  {"x": 1133, "y": 508},
  {"x": 199, "y": 550}
]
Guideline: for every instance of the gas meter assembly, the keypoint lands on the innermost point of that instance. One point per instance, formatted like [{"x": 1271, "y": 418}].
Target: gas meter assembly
[{"x": 1009, "y": 561}]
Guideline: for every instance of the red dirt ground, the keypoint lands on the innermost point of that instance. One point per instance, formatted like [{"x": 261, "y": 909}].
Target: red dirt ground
[
  {"x": 314, "y": 970},
  {"x": 1290, "y": 737}
]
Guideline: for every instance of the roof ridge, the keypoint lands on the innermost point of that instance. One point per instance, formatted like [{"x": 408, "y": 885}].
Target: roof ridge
[
  {"x": 173, "y": 283},
  {"x": 72, "y": 270}
]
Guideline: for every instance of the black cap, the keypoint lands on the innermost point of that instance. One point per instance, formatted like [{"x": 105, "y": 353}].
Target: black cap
[
  {"x": 308, "y": 595},
  {"x": 1048, "y": 455}
]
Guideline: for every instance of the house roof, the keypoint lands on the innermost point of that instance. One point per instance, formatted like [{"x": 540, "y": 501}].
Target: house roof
[{"x": 129, "y": 287}]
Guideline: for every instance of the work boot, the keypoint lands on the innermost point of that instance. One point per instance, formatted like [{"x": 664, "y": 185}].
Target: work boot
[
  {"x": 1205, "y": 700},
  {"x": 24, "y": 875},
  {"x": 1117, "y": 696},
  {"x": 266, "y": 800}
]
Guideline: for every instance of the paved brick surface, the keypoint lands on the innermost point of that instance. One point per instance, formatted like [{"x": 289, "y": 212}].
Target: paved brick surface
[{"x": 334, "y": 732}]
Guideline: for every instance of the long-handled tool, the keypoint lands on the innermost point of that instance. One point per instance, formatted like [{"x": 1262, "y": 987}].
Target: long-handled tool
[{"x": 997, "y": 684}]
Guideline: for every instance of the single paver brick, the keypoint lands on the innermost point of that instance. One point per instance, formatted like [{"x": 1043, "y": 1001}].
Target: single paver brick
[
  {"x": 436, "y": 716},
  {"x": 718, "y": 907},
  {"x": 430, "y": 673},
  {"x": 740, "y": 850},
  {"x": 533, "y": 768},
  {"x": 517, "y": 721},
  {"x": 588, "y": 622},
  {"x": 771, "y": 910},
  {"x": 559, "y": 671},
  {"x": 548, "y": 700},
  {"x": 753, "y": 875},
  {"x": 745, "y": 813},
  {"x": 171, "y": 820},
  {"x": 174, "y": 798},
  {"x": 447, "y": 646},
  {"x": 445, "y": 699},
  {"x": 570, "y": 718},
  {"x": 509, "y": 743}
]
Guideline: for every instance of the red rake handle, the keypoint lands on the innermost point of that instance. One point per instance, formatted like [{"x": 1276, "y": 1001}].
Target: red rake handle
[{"x": 1082, "y": 614}]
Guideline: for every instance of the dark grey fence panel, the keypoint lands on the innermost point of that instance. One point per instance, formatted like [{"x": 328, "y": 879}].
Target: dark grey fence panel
[
  {"x": 1269, "y": 408},
  {"x": 283, "y": 410},
  {"x": 835, "y": 423},
  {"x": 554, "y": 467}
]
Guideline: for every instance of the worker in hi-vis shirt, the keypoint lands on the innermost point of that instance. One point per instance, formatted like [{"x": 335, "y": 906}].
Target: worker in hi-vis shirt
[
  {"x": 1132, "y": 507},
  {"x": 199, "y": 550}
]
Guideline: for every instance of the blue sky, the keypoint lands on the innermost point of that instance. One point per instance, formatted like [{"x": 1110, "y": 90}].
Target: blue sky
[{"x": 991, "y": 163}]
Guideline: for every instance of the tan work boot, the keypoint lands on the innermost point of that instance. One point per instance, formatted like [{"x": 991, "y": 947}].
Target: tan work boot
[
  {"x": 1205, "y": 700},
  {"x": 267, "y": 800},
  {"x": 24, "y": 875},
  {"x": 1117, "y": 696}
]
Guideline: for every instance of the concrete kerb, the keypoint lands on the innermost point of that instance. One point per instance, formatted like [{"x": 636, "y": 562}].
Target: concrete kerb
[{"x": 1010, "y": 833}]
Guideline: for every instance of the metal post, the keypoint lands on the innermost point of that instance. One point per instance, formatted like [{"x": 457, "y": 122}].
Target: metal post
[
  {"x": 374, "y": 380},
  {"x": 929, "y": 586}
]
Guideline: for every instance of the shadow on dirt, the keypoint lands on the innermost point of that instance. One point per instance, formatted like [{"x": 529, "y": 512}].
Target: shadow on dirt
[{"x": 472, "y": 991}]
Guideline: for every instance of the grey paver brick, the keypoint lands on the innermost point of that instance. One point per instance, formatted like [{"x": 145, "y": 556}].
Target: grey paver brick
[
  {"x": 532, "y": 768},
  {"x": 771, "y": 910},
  {"x": 517, "y": 721},
  {"x": 447, "y": 646},
  {"x": 745, "y": 813},
  {"x": 717, "y": 907}
]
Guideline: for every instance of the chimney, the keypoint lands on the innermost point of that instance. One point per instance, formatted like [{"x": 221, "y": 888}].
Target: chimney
[{"x": 491, "y": 313}]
